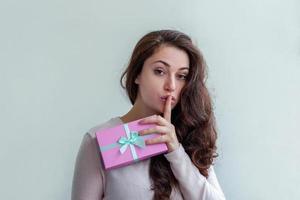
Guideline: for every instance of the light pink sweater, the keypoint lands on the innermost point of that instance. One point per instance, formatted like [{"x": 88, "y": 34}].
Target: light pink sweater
[{"x": 132, "y": 182}]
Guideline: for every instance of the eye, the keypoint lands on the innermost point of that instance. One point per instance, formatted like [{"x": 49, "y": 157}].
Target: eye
[
  {"x": 159, "y": 72},
  {"x": 182, "y": 76}
]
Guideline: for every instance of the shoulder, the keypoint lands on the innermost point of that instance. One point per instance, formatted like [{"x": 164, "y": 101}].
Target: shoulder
[{"x": 108, "y": 124}]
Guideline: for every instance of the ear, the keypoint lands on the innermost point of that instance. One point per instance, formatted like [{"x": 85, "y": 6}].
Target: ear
[{"x": 137, "y": 80}]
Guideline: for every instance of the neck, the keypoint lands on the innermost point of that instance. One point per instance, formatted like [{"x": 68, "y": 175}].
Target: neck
[{"x": 137, "y": 111}]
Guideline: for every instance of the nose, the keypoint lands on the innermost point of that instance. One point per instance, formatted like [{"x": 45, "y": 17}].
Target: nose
[{"x": 170, "y": 84}]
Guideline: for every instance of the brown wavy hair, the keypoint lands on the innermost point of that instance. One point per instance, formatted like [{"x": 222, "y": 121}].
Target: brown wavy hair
[{"x": 192, "y": 117}]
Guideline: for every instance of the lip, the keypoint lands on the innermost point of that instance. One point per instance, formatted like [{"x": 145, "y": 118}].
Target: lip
[{"x": 164, "y": 98}]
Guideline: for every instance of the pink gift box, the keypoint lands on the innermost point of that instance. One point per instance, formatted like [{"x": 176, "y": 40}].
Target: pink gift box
[{"x": 120, "y": 145}]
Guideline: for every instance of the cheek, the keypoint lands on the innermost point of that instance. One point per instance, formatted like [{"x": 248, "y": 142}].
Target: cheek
[
  {"x": 148, "y": 90},
  {"x": 180, "y": 87},
  {"x": 150, "y": 84}
]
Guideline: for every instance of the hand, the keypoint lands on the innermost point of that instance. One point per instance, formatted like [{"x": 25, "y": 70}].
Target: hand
[{"x": 163, "y": 127}]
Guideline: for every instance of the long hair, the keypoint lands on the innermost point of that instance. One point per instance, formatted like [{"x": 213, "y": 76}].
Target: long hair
[{"x": 192, "y": 117}]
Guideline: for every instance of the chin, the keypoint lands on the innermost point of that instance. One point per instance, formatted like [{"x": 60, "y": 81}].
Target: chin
[{"x": 158, "y": 110}]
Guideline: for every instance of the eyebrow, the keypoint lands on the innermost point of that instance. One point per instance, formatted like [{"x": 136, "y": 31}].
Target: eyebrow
[{"x": 166, "y": 64}]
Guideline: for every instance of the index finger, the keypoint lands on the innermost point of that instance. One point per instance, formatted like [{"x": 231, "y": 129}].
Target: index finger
[{"x": 167, "y": 109}]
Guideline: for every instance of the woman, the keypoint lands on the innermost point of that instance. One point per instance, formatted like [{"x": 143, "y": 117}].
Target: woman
[{"x": 165, "y": 81}]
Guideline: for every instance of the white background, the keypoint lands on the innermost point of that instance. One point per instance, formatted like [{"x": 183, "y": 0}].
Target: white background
[{"x": 60, "y": 63}]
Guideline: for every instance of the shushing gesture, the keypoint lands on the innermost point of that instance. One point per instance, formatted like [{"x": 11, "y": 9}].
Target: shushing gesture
[{"x": 164, "y": 127}]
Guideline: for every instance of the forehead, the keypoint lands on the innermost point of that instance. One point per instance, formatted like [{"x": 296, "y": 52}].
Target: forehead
[{"x": 171, "y": 55}]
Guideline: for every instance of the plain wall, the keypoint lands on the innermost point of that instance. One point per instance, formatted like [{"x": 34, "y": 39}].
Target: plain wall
[{"x": 60, "y": 63}]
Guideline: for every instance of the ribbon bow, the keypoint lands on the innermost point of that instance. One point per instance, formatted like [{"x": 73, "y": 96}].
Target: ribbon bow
[{"x": 133, "y": 139}]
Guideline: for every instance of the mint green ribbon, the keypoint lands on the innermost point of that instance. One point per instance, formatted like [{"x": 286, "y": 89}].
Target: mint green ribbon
[{"x": 132, "y": 139}]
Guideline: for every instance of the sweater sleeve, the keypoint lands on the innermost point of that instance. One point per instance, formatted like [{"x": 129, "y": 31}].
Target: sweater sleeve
[
  {"x": 193, "y": 185},
  {"x": 88, "y": 179}
]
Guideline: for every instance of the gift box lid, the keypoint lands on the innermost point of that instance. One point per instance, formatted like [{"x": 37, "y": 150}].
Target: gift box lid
[{"x": 118, "y": 149}]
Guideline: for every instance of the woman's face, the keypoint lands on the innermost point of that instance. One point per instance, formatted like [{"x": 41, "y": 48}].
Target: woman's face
[{"x": 164, "y": 73}]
